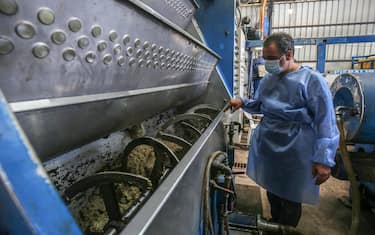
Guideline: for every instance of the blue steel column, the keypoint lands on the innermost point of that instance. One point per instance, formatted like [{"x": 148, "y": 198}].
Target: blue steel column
[
  {"x": 216, "y": 21},
  {"x": 321, "y": 57},
  {"x": 28, "y": 201}
]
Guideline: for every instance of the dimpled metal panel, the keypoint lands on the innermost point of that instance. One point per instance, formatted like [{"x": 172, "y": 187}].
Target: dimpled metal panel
[
  {"x": 55, "y": 88},
  {"x": 179, "y": 12}
]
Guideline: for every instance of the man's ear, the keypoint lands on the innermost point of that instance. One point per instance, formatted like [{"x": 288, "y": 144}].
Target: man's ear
[{"x": 289, "y": 55}]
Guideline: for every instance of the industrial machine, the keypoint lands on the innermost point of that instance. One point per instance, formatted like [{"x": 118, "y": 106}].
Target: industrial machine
[
  {"x": 111, "y": 118},
  {"x": 353, "y": 100},
  {"x": 109, "y": 113}
]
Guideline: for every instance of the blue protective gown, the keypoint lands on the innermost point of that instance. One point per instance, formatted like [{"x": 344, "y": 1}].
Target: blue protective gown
[{"x": 298, "y": 128}]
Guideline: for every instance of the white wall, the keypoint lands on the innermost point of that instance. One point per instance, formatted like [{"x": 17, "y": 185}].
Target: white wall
[{"x": 326, "y": 18}]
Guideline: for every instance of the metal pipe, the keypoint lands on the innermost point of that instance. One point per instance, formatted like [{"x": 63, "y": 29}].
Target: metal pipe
[
  {"x": 261, "y": 20},
  {"x": 207, "y": 222},
  {"x": 354, "y": 185},
  {"x": 272, "y": 227}
]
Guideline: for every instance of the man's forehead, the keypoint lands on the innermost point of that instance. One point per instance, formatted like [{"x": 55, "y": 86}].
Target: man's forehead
[
  {"x": 271, "y": 50},
  {"x": 271, "y": 46}
]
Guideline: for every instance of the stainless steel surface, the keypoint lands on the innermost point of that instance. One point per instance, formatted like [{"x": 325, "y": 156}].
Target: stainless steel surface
[
  {"x": 178, "y": 11},
  {"x": 51, "y": 68},
  {"x": 34, "y": 105},
  {"x": 71, "y": 79},
  {"x": 174, "y": 208},
  {"x": 54, "y": 130}
]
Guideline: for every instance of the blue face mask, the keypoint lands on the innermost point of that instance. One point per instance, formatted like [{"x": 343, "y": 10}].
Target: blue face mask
[{"x": 273, "y": 66}]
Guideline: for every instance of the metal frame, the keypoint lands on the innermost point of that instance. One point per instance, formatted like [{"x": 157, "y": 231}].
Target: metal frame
[
  {"x": 216, "y": 20},
  {"x": 28, "y": 197},
  {"x": 185, "y": 179},
  {"x": 321, "y": 44},
  {"x": 174, "y": 26},
  {"x": 355, "y": 60}
]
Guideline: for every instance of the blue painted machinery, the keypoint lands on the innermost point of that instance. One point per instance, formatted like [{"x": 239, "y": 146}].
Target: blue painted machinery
[
  {"x": 111, "y": 117},
  {"x": 355, "y": 93},
  {"x": 109, "y": 111},
  {"x": 353, "y": 98}
]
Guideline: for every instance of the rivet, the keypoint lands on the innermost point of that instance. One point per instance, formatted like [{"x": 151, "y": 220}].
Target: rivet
[
  {"x": 156, "y": 64},
  {"x": 139, "y": 53},
  {"x": 147, "y": 54},
  {"x": 121, "y": 61},
  {"x": 117, "y": 49},
  {"x": 113, "y": 35},
  {"x": 74, "y": 24},
  {"x": 146, "y": 45},
  {"x": 25, "y": 30},
  {"x": 172, "y": 52},
  {"x": 8, "y": 7},
  {"x": 162, "y": 57},
  {"x": 69, "y": 54},
  {"x": 126, "y": 39},
  {"x": 40, "y": 50},
  {"x": 141, "y": 63},
  {"x": 168, "y": 58},
  {"x": 58, "y": 37},
  {"x": 129, "y": 51},
  {"x": 154, "y": 56},
  {"x": 83, "y": 42},
  {"x": 148, "y": 63},
  {"x": 132, "y": 61},
  {"x": 46, "y": 16},
  {"x": 102, "y": 45},
  {"x": 137, "y": 42},
  {"x": 162, "y": 65},
  {"x": 96, "y": 30},
  {"x": 167, "y": 51},
  {"x": 107, "y": 59},
  {"x": 90, "y": 57},
  {"x": 161, "y": 49},
  {"x": 6, "y": 46},
  {"x": 153, "y": 47}
]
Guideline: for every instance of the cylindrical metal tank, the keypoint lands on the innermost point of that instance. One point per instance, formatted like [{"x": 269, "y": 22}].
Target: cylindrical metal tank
[{"x": 356, "y": 92}]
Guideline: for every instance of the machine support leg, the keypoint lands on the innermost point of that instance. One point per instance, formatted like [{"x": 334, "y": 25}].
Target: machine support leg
[{"x": 354, "y": 184}]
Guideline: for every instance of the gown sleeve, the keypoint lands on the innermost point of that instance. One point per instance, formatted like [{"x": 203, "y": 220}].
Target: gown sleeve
[
  {"x": 252, "y": 105},
  {"x": 320, "y": 105}
]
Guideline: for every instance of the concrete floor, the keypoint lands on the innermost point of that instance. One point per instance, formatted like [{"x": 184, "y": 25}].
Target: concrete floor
[{"x": 329, "y": 217}]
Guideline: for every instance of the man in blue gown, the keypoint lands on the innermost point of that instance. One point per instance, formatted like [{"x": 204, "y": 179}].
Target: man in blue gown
[{"x": 293, "y": 147}]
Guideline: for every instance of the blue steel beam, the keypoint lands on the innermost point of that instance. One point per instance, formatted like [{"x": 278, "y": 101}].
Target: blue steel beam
[
  {"x": 321, "y": 55},
  {"x": 216, "y": 21},
  {"x": 328, "y": 40},
  {"x": 28, "y": 201},
  {"x": 321, "y": 45}
]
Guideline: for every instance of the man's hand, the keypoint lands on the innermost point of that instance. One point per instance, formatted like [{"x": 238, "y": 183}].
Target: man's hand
[
  {"x": 321, "y": 172},
  {"x": 233, "y": 104}
]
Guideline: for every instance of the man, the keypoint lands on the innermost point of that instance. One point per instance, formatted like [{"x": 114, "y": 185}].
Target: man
[{"x": 293, "y": 147}]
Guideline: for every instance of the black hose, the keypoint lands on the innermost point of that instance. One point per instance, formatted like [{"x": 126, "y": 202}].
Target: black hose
[{"x": 278, "y": 228}]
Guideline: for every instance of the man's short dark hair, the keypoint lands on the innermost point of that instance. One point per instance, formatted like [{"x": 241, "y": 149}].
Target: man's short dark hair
[{"x": 283, "y": 41}]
